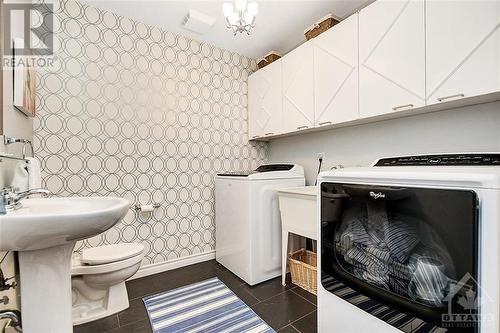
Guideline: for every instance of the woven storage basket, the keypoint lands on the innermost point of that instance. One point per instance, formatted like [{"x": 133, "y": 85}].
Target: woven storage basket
[
  {"x": 268, "y": 59},
  {"x": 262, "y": 62},
  {"x": 321, "y": 26},
  {"x": 272, "y": 56},
  {"x": 303, "y": 269}
]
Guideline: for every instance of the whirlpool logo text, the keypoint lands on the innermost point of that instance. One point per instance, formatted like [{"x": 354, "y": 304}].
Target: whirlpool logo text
[{"x": 378, "y": 195}]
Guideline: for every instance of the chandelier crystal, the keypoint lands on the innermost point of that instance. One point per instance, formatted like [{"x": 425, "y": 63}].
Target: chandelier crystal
[{"x": 240, "y": 17}]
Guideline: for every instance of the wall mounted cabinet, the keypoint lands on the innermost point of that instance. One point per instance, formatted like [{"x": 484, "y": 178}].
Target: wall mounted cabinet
[
  {"x": 298, "y": 92},
  {"x": 390, "y": 60},
  {"x": 391, "y": 57},
  {"x": 336, "y": 74},
  {"x": 462, "y": 49},
  {"x": 265, "y": 101}
]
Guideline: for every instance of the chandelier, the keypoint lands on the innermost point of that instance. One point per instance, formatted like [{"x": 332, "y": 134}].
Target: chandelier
[{"x": 240, "y": 17}]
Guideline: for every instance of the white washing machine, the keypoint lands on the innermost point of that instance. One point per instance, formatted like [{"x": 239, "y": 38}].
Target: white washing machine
[
  {"x": 248, "y": 224},
  {"x": 446, "y": 211}
]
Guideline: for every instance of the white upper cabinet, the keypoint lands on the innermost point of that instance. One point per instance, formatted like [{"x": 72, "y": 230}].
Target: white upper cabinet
[
  {"x": 298, "y": 91},
  {"x": 391, "y": 56},
  {"x": 463, "y": 49},
  {"x": 336, "y": 73},
  {"x": 265, "y": 102}
]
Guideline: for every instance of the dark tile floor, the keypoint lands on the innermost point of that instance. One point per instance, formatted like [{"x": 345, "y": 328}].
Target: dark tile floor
[{"x": 285, "y": 309}]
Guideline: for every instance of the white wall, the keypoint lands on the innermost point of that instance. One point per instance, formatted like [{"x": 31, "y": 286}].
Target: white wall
[
  {"x": 15, "y": 124},
  {"x": 475, "y": 128}
]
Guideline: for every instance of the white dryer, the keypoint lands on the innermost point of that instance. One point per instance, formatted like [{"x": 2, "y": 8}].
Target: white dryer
[
  {"x": 411, "y": 244},
  {"x": 248, "y": 224}
]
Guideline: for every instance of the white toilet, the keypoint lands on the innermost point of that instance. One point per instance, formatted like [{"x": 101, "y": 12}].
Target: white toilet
[{"x": 98, "y": 280}]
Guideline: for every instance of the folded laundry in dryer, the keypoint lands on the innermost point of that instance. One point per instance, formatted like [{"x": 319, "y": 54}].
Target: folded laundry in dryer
[
  {"x": 392, "y": 240},
  {"x": 421, "y": 278},
  {"x": 376, "y": 262},
  {"x": 388, "y": 251}
]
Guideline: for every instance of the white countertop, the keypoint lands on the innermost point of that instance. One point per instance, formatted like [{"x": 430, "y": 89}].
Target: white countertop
[{"x": 302, "y": 190}]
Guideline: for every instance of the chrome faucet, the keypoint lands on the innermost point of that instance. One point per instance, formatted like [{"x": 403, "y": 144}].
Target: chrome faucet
[
  {"x": 11, "y": 200},
  {"x": 15, "y": 318}
]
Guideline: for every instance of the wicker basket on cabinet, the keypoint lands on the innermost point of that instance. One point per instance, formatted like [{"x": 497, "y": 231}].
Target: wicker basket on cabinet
[
  {"x": 303, "y": 268},
  {"x": 262, "y": 62},
  {"x": 321, "y": 26},
  {"x": 268, "y": 59}
]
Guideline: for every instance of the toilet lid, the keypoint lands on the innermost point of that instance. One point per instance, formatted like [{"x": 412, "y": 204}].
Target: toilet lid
[{"x": 110, "y": 253}]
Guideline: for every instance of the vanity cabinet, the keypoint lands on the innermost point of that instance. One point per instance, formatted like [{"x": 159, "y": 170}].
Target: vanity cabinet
[
  {"x": 265, "y": 101},
  {"x": 462, "y": 49},
  {"x": 298, "y": 89},
  {"x": 391, "y": 57},
  {"x": 336, "y": 74}
]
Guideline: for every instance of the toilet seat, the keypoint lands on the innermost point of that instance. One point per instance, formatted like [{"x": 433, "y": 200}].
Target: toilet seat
[
  {"x": 111, "y": 258},
  {"x": 80, "y": 269},
  {"x": 110, "y": 253}
]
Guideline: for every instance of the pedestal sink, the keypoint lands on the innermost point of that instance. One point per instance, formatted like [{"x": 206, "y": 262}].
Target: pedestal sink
[{"x": 44, "y": 231}]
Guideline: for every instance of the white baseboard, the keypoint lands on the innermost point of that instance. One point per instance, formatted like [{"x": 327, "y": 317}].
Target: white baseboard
[{"x": 173, "y": 264}]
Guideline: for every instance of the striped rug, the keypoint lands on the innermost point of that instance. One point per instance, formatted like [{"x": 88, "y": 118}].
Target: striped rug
[{"x": 208, "y": 306}]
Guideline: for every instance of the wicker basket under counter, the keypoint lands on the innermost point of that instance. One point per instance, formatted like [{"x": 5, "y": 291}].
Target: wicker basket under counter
[{"x": 303, "y": 268}]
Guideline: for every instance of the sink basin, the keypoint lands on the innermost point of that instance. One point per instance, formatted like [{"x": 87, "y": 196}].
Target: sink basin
[
  {"x": 45, "y": 231},
  {"x": 44, "y": 223}
]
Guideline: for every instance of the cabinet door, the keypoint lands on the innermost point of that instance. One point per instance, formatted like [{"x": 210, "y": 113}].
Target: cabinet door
[
  {"x": 392, "y": 56},
  {"x": 336, "y": 73},
  {"x": 298, "y": 99},
  {"x": 463, "y": 49},
  {"x": 265, "y": 103}
]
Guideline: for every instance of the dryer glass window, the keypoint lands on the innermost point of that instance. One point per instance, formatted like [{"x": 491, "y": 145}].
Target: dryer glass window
[{"x": 411, "y": 248}]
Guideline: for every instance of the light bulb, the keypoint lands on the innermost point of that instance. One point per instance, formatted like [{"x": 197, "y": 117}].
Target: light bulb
[
  {"x": 248, "y": 18},
  {"x": 227, "y": 9},
  {"x": 253, "y": 8},
  {"x": 233, "y": 18},
  {"x": 241, "y": 5}
]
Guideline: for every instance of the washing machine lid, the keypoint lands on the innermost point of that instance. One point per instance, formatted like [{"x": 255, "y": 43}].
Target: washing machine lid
[
  {"x": 268, "y": 171},
  {"x": 110, "y": 253}
]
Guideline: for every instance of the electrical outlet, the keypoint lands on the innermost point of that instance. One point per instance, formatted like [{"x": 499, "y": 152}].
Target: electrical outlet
[{"x": 321, "y": 155}]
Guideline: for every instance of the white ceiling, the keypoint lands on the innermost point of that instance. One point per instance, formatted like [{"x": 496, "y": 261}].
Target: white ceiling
[{"x": 280, "y": 24}]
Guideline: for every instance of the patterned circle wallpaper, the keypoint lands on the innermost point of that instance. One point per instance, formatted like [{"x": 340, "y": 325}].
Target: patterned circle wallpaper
[{"x": 130, "y": 110}]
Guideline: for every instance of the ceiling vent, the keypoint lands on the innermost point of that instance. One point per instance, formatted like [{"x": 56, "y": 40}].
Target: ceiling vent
[{"x": 197, "y": 22}]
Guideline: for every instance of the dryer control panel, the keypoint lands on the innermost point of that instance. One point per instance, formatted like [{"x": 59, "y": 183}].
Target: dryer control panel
[{"x": 442, "y": 159}]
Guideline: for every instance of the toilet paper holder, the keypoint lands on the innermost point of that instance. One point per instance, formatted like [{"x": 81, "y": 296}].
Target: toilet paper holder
[{"x": 137, "y": 207}]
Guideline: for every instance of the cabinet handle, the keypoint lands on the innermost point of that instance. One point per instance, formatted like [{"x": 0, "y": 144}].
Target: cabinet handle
[
  {"x": 270, "y": 133},
  {"x": 396, "y": 108},
  {"x": 302, "y": 127},
  {"x": 325, "y": 123},
  {"x": 442, "y": 99}
]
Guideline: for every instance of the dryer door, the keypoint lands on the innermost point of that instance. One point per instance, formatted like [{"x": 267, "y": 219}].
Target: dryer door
[{"x": 411, "y": 249}]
